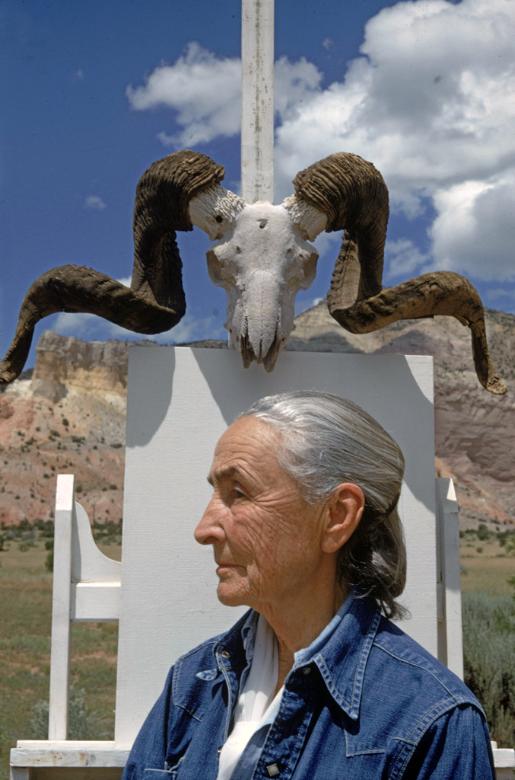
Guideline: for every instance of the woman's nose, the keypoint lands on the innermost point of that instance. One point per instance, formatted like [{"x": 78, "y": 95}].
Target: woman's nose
[{"x": 209, "y": 530}]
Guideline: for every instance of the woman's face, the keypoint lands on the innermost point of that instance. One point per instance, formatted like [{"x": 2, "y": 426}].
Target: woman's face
[{"x": 265, "y": 537}]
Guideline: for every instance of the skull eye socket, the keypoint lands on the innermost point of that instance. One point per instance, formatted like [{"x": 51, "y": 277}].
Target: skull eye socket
[{"x": 221, "y": 265}]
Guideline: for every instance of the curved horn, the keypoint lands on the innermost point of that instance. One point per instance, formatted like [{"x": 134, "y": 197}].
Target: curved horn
[
  {"x": 155, "y": 301},
  {"x": 428, "y": 295},
  {"x": 352, "y": 195}
]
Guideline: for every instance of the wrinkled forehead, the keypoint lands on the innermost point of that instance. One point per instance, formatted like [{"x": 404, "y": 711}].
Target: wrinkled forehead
[
  {"x": 251, "y": 443},
  {"x": 248, "y": 432}
]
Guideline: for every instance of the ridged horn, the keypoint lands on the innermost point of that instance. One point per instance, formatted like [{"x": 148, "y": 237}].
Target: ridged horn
[
  {"x": 353, "y": 196},
  {"x": 428, "y": 295},
  {"x": 155, "y": 300}
]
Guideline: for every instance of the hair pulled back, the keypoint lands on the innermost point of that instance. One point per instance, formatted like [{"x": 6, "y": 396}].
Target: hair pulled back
[{"x": 327, "y": 440}]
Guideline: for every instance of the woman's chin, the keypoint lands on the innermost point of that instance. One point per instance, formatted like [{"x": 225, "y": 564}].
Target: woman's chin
[{"x": 230, "y": 596}]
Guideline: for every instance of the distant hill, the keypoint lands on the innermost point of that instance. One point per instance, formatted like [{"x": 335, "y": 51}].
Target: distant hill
[{"x": 68, "y": 415}]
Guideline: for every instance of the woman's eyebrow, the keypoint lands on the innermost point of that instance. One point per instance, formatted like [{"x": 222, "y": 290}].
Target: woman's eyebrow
[{"x": 224, "y": 472}]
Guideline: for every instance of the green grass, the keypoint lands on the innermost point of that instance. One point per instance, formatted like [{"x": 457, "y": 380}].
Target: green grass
[
  {"x": 25, "y": 599},
  {"x": 488, "y": 606},
  {"x": 488, "y": 659},
  {"x": 488, "y": 571}
]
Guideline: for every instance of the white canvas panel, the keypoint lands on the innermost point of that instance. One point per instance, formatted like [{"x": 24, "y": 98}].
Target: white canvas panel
[{"x": 180, "y": 401}]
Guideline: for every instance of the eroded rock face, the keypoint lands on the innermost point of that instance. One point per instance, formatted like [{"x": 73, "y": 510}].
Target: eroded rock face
[
  {"x": 70, "y": 417},
  {"x": 64, "y": 362}
]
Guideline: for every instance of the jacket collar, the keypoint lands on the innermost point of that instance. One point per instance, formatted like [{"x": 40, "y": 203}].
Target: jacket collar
[{"x": 341, "y": 660}]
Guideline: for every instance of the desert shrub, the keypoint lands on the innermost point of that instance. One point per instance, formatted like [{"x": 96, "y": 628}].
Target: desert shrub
[
  {"x": 482, "y": 532},
  {"x": 82, "y": 724},
  {"x": 109, "y": 532},
  {"x": 49, "y": 558},
  {"x": 488, "y": 640},
  {"x": 510, "y": 544}
]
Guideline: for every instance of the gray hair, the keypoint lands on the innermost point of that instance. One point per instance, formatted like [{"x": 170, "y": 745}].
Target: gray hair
[{"x": 327, "y": 440}]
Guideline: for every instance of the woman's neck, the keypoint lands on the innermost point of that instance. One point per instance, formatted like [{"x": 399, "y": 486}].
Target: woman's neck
[{"x": 299, "y": 622}]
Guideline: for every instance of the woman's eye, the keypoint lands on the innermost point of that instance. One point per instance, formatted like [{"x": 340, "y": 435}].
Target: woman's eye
[{"x": 238, "y": 492}]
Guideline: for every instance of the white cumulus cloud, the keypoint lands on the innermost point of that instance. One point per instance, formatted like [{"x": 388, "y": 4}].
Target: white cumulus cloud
[
  {"x": 405, "y": 258},
  {"x": 474, "y": 231},
  {"x": 430, "y": 100},
  {"x": 94, "y": 202},
  {"x": 426, "y": 101},
  {"x": 205, "y": 92},
  {"x": 203, "y": 89}
]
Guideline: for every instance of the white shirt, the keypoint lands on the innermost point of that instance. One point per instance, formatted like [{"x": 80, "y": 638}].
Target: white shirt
[{"x": 257, "y": 704}]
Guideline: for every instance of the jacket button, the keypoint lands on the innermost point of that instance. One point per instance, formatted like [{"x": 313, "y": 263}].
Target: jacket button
[
  {"x": 273, "y": 770},
  {"x": 306, "y": 670},
  {"x": 225, "y": 654}
]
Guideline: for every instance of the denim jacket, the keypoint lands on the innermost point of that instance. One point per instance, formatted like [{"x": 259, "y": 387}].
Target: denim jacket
[{"x": 371, "y": 703}]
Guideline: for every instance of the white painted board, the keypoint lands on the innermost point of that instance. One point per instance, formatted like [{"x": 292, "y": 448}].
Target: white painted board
[
  {"x": 257, "y": 101},
  {"x": 180, "y": 401}
]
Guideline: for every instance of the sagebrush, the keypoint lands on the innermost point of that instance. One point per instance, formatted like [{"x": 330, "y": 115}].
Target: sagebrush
[{"x": 488, "y": 648}]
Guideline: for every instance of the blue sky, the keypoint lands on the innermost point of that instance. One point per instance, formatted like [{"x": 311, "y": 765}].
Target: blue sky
[{"x": 94, "y": 92}]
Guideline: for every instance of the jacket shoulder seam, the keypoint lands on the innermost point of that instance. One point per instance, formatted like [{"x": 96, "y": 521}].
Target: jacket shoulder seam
[
  {"x": 431, "y": 717},
  {"x": 457, "y": 699}
]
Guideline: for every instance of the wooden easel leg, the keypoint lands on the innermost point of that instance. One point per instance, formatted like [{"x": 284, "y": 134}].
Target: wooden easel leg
[{"x": 20, "y": 773}]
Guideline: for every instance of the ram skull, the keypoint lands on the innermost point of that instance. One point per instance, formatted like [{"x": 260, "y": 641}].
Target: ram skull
[
  {"x": 261, "y": 262},
  {"x": 262, "y": 257}
]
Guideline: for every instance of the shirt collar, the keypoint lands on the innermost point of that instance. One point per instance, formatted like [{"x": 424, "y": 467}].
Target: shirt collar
[
  {"x": 343, "y": 658},
  {"x": 340, "y": 651},
  {"x": 304, "y": 656}
]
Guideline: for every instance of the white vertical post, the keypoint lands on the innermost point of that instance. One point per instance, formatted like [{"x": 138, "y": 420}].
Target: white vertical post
[
  {"x": 450, "y": 638},
  {"x": 257, "y": 114},
  {"x": 20, "y": 773},
  {"x": 61, "y": 608}
]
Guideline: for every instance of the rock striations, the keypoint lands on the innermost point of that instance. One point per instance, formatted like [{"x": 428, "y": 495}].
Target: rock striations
[{"x": 69, "y": 416}]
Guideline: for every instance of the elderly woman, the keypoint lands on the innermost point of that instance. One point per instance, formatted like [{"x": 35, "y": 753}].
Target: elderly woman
[{"x": 314, "y": 681}]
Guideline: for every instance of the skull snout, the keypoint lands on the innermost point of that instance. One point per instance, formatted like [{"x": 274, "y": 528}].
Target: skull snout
[{"x": 260, "y": 338}]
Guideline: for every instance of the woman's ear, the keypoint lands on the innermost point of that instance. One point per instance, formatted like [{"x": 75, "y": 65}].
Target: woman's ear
[{"x": 344, "y": 510}]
